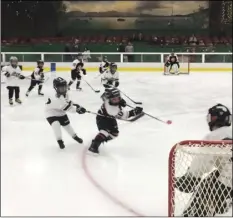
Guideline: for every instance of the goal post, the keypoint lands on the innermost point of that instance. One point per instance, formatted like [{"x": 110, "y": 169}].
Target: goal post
[
  {"x": 180, "y": 158},
  {"x": 184, "y": 61}
]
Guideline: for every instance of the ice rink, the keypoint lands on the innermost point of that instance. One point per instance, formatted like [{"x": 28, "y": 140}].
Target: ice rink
[{"x": 131, "y": 174}]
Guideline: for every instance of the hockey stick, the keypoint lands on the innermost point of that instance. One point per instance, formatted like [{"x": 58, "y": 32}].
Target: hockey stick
[
  {"x": 156, "y": 118},
  {"x": 96, "y": 91},
  {"x": 110, "y": 117},
  {"x": 135, "y": 102}
]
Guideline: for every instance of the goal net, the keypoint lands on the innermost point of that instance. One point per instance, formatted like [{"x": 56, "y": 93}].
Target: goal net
[
  {"x": 185, "y": 153},
  {"x": 184, "y": 61}
]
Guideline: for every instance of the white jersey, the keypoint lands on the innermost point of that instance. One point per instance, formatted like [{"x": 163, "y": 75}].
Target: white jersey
[
  {"x": 75, "y": 62},
  {"x": 205, "y": 164},
  {"x": 107, "y": 76},
  {"x": 58, "y": 106},
  {"x": 115, "y": 111},
  {"x": 4, "y": 69},
  {"x": 13, "y": 79},
  {"x": 36, "y": 74}
]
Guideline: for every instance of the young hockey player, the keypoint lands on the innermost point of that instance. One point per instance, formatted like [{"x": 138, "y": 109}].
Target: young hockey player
[
  {"x": 110, "y": 77},
  {"x": 106, "y": 118},
  {"x": 37, "y": 78},
  {"x": 13, "y": 74},
  {"x": 211, "y": 195},
  {"x": 56, "y": 108},
  {"x": 172, "y": 60},
  {"x": 76, "y": 71},
  {"x": 104, "y": 65}
]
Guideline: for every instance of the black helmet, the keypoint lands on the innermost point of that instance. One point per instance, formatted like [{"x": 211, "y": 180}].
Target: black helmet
[
  {"x": 79, "y": 56},
  {"x": 114, "y": 96},
  {"x": 60, "y": 85},
  {"x": 218, "y": 116},
  {"x": 40, "y": 63}
]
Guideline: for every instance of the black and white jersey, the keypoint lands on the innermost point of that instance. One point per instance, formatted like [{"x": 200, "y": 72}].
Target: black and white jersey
[
  {"x": 58, "y": 106},
  {"x": 37, "y": 74},
  {"x": 173, "y": 58},
  {"x": 205, "y": 163},
  {"x": 75, "y": 64},
  {"x": 12, "y": 75},
  {"x": 112, "y": 110},
  {"x": 104, "y": 65}
]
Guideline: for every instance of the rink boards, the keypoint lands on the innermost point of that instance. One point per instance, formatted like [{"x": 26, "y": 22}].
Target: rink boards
[{"x": 136, "y": 67}]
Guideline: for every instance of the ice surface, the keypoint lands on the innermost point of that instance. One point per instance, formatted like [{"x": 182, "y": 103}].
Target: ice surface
[{"x": 130, "y": 175}]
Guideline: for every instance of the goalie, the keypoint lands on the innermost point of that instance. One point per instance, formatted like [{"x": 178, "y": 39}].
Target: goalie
[
  {"x": 209, "y": 178},
  {"x": 172, "y": 62}
]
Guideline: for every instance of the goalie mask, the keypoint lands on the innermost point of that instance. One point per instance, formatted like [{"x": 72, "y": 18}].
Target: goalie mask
[
  {"x": 113, "y": 68},
  {"x": 113, "y": 95},
  {"x": 60, "y": 85},
  {"x": 218, "y": 116},
  {"x": 14, "y": 61}
]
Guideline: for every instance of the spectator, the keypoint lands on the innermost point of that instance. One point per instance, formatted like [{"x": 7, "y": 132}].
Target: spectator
[
  {"x": 140, "y": 37},
  {"x": 86, "y": 54},
  {"x": 67, "y": 57},
  {"x": 121, "y": 48},
  {"x": 193, "y": 40},
  {"x": 130, "y": 49}
]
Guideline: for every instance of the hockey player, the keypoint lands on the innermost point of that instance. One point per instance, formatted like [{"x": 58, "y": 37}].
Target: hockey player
[
  {"x": 106, "y": 118},
  {"x": 211, "y": 194},
  {"x": 104, "y": 65},
  {"x": 76, "y": 71},
  {"x": 13, "y": 74},
  {"x": 172, "y": 60},
  {"x": 37, "y": 78},
  {"x": 56, "y": 108},
  {"x": 110, "y": 77}
]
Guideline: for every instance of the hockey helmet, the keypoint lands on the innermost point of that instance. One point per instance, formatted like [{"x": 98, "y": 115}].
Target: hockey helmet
[
  {"x": 60, "y": 85},
  {"x": 40, "y": 63},
  {"x": 113, "y": 68},
  {"x": 13, "y": 61},
  {"x": 79, "y": 56},
  {"x": 218, "y": 116},
  {"x": 114, "y": 96}
]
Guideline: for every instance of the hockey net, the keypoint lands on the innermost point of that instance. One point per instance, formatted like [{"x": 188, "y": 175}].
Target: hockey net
[
  {"x": 184, "y": 61},
  {"x": 180, "y": 158}
]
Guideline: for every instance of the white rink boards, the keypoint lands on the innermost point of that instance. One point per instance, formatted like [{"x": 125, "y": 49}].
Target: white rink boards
[{"x": 130, "y": 176}]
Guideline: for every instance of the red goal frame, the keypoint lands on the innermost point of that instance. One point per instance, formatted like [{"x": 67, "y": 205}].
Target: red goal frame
[{"x": 171, "y": 165}]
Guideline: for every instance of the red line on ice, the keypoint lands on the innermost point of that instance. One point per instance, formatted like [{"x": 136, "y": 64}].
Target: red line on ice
[{"x": 103, "y": 190}]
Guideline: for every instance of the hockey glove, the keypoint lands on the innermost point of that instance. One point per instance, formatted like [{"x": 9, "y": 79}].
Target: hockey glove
[
  {"x": 135, "y": 111},
  {"x": 7, "y": 74},
  {"x": 21, "y": 77},
  {"x": 117, "y": 83},
  {"x": 84, "y": 71},
  {"x": 80, "y": 110},
  {"x": 122, "y": 103}
]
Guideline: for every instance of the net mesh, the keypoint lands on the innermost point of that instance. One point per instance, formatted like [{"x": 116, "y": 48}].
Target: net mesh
[{"x": 207, "y": 193}]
